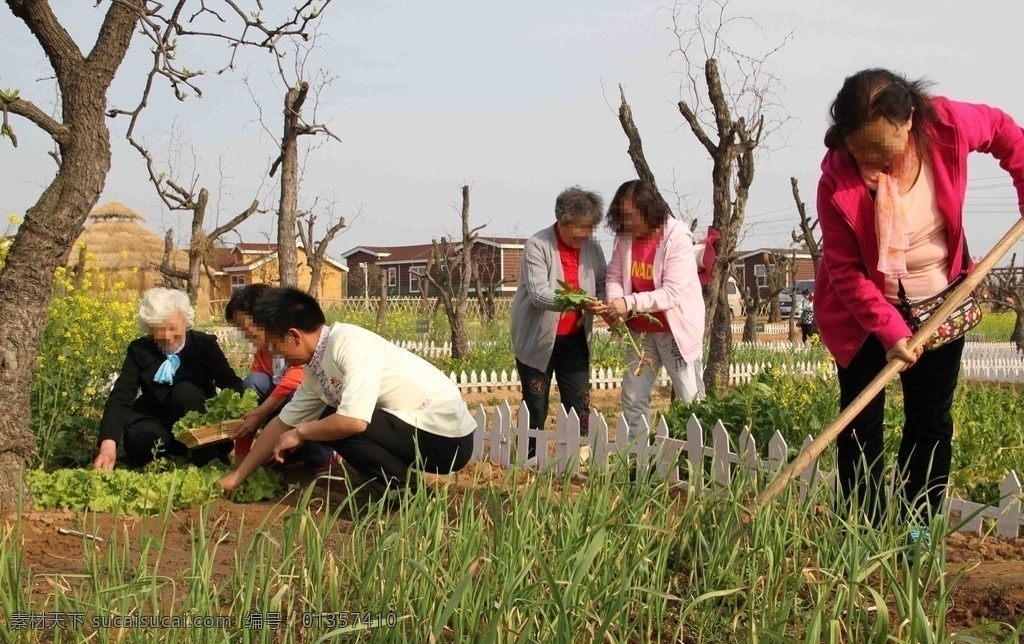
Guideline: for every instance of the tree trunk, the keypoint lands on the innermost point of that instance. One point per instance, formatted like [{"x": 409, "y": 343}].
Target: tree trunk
[
  {"x": 382, "y": 306},
  {"x": 719, "y": 327},
  {"x": 1017, "y": 337},
  {"x": 288, "y": 256},
  {"x": 43, "y": 243},
  {"x": 753, "y": 302}
]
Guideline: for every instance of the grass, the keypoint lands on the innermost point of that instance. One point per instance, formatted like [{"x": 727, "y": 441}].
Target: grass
[
  {"x": 538, "y": 558},
  {"x": 995, "y": 327}
]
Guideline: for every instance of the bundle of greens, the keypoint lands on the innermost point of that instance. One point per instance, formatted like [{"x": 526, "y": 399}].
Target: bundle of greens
[
  {"x": 569, "y": 298},
  {"x": 227, "y": 405}
]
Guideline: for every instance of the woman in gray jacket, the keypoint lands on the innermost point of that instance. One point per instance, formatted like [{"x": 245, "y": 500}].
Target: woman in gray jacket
[{"x": 546, "y": 340}]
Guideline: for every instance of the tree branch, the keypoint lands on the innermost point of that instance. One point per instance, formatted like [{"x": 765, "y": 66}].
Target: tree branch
[
  {"x": 636, "y": 149},
  {"x": 245, "y": 214},
  {"x": 28, "y": 110},
  {"x": 57, "y": 43},
  {"x": 115, "y": 37}
]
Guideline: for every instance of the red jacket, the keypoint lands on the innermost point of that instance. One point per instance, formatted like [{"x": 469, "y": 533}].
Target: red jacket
[{"x": 848, "y": 293}]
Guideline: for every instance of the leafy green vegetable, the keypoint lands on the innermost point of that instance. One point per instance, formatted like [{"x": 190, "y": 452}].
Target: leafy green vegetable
[
  {"x": 568, "y": 298},
  {"x": 227, "y": 405},
  {"x": 147, "y": 491}
]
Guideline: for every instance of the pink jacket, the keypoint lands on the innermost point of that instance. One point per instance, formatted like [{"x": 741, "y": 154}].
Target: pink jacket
[
  {"x": 676, "y": 286},
  {"x": 848, "y": 294}
]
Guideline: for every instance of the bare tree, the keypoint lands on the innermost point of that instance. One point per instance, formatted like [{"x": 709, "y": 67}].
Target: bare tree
[
  {"x": 794, "y": 314},
  {"x": 808, "y": 237},
  {"x": 777, "y": 278},
  {"x": 1004, "y": 289},
  {"x": 297, "y": 90},
  {"x": 316, "y": 251},
  {"x": 82, "y": 136},
  {"x": 177, "y": 195},
  {"x": 450, "y": 272},
  {"x": 730, "y": 110}
]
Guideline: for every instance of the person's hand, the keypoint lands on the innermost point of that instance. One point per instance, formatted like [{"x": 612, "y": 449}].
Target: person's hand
[
  {"x": 250, "y": 421},
  {"x": 230, "y": 482},
  {"x": 610, "y": 320},
  {"x": 594, "y": 307},
  {"x": 107, "y": 457},
  {"x": 287, "y": 442},
  {"x": 617, "y": 307},
  {"x": 900, "y": 351}
]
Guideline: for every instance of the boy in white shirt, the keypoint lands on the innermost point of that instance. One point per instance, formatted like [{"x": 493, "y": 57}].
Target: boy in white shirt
[{"x": 383, "y": 409}]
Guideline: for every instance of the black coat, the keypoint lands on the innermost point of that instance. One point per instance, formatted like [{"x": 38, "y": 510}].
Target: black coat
[{"x": 202, "y": 363}]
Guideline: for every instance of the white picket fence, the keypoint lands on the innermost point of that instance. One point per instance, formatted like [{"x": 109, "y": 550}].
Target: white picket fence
[
  {"x": 981, "y": 369},
  {"x": 772, "y": 328},
  {"x": 503, "y": 441}
]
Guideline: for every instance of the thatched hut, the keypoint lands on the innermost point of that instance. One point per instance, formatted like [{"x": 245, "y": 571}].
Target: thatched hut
[{"x": 122, "y": 250}]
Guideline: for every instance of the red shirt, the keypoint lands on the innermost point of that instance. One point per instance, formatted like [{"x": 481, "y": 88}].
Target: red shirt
[
  {"x": 641, "y": 274},
  {"x": 569, "y": 323},
  {"x": 263, "y": 362}
]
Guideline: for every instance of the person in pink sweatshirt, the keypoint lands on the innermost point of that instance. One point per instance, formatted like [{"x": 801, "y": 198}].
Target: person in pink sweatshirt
[
  {"x": 653, "y": 270},
  {"x": 890, "y": 204}
]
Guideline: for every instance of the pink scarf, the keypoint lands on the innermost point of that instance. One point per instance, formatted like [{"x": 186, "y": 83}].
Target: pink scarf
[{"x": 890, "y": 218}]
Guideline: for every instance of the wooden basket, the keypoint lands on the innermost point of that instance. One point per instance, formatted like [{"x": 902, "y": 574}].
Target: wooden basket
[{"x": 210, "y": 434}]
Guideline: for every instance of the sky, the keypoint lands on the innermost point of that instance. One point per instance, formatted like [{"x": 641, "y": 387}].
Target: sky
[{"x": 517, "y": 100}]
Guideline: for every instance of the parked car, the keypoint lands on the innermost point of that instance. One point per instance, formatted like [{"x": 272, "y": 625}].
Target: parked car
[{"x": 732, "y": 291}]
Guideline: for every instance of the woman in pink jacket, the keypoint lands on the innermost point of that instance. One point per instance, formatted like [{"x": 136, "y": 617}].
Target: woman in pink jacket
[
  {"x": 653, "y": 270},
  {"x": 890, "y": 203}
]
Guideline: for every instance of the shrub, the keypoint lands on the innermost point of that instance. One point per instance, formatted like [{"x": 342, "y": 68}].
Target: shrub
[{"x": 83, "y": 347}]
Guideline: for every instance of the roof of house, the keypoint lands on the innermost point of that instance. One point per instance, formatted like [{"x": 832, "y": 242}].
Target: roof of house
[
  {"x": 421, "y": 252},
  {"x": 227, "y": 260},
  {"x": 786, "y": 252},
  {"x": 506, "y": 242},
  {"x": 394, "y": 254}
]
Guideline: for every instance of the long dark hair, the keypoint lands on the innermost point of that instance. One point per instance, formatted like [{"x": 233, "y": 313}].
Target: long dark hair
[
  {"x": 645, "y": 198},
  {"x": 874, "y": 93}
]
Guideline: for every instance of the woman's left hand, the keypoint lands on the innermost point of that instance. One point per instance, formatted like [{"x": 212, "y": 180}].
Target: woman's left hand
[{"x": 594, "y": 307}]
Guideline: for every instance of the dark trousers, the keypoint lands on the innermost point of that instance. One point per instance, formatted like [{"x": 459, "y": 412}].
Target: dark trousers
[
  {"x": 925, "y": 450},
  {"x": 150, "y": 436},
  {"x": 570, "y": 364},
  {"x": 384, "y": 453}
]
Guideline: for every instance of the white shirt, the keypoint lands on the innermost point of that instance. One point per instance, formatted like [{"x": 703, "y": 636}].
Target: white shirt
[{"x": 365, "y": 372}]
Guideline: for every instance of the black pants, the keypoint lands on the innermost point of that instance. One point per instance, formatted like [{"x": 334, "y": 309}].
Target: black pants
[
  {"x": 384, "y": 453},
  {"x": 925, "y": 449},
  {"x": 142, "y": 436},
  {"x": 570, "y": 364},
  {"x": 807, "y": 331}
]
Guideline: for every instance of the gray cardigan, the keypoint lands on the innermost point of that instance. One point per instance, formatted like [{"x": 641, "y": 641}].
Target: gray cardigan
[{"x": 534, "y": 313}]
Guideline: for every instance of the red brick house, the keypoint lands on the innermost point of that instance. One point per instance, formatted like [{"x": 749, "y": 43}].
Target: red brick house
[
  {"x": 753, "y": 267},
  {"x": 499, "y": 258}
]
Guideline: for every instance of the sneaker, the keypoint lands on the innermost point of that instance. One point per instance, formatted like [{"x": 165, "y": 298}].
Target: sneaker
[{"x": 330, "y": 466}]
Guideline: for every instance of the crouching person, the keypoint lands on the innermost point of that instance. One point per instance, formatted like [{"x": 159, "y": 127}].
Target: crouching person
[
  {"x": 170, "y": 371},
  {"x": 274, "y": 383},
  {"x": 384, "y": 410}
]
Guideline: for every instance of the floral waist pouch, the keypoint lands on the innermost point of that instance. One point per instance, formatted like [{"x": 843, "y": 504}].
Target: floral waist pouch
[{"x": 964, "y": 318}]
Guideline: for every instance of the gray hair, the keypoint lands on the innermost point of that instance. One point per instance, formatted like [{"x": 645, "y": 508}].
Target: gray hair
[
  {"x": 578, "y": 206},
  {"x": 160, "y": 304}
]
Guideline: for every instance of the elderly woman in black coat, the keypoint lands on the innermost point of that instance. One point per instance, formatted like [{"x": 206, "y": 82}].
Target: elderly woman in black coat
[{"x": 171, "y": 370}]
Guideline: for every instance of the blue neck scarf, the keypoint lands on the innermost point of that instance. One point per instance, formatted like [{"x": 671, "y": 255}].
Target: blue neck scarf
[{"x": 165, "y": 374}]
